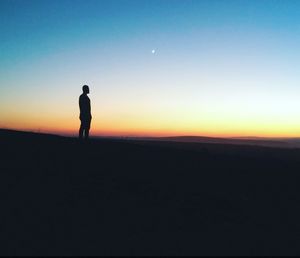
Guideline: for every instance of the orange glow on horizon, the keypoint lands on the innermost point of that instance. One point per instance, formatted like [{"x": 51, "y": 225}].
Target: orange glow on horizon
[
  {"x": 119, "y": 132},
  {"x": 157, "y": 124}
]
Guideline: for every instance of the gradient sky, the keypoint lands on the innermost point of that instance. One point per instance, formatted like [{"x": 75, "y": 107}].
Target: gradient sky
[{"x": 221, "y": 68}]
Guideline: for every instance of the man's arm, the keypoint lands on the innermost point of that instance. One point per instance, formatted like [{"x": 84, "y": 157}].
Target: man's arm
[{"x": 80, "y": 104}]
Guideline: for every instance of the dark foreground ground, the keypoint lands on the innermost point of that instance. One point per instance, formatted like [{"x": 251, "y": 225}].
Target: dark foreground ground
[{"x": 109, "y": 197}]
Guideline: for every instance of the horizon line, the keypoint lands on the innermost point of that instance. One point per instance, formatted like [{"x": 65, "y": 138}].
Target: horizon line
[{"x": 97, "y": 135}]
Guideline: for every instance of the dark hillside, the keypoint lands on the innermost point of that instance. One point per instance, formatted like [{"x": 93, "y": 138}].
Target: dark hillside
[{"x": 115, "y": 197}]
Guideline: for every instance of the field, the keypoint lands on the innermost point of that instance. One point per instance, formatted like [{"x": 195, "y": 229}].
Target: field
[{"x": 60, "y": 196}]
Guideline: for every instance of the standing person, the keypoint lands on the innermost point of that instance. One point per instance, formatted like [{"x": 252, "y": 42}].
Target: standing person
[{"x": 85, "y": 113}]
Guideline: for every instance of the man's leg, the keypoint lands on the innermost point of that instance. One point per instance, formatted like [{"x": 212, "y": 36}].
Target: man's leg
[
  {"x": 87, "y": 132},
  {"x": 81, "y": 129},
  {"x": 87, "y": 129}
]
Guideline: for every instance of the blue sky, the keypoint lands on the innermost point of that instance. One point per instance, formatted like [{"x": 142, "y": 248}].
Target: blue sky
[
  {"x": 36, "y": 28},
  {"x": 220, "y": 67}
]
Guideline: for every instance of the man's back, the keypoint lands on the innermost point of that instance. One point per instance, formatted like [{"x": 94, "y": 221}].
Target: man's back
[{"x": 84, "y": 105}]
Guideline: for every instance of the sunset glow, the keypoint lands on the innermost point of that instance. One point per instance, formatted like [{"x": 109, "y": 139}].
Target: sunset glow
[{"x": 154, "y": 68}]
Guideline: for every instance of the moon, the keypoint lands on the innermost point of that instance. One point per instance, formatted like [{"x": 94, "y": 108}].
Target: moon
[{"x": 153, "y": 51}]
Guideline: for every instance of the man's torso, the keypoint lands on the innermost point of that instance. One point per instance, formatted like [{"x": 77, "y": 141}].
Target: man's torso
[{"x": 85, "y": 106}]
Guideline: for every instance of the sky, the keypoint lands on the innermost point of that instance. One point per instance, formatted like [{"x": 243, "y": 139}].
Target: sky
[{"x": 154, "y": 67}]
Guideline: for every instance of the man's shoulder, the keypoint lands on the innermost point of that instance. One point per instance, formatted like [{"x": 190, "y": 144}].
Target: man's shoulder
[
  {"x": 82, "y": 96},
  {"x": 84, "y": 99}
]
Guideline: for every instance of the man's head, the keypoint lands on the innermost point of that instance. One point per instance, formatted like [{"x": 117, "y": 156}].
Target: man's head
[{"x": 85, "y": 89}]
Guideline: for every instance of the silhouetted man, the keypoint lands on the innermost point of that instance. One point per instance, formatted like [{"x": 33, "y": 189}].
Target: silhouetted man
[{"x": 85, "y": 113}]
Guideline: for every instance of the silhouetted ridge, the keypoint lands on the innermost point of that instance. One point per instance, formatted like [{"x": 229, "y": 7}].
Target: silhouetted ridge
[
  {"x": 62, "y": 196},
  {"x": 16, "y": 133},
  {"x": 201, "y": 139}
]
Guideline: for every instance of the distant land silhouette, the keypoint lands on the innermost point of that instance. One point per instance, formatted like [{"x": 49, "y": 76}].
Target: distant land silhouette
[
  {"x": 258, "y": 141},
  {"x": 146, "y": 197}
]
